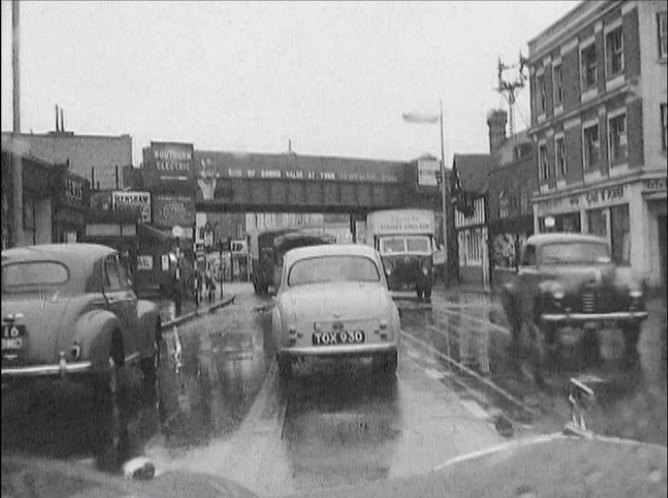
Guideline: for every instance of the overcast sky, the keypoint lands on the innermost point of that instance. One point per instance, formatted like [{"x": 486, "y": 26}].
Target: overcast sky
[{"x": 333, "y": 77}]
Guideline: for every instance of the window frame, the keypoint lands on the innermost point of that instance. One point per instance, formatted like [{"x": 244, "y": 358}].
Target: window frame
[
  {"x": 583, "y": 69},
  {"x": 543, "y": 163},
  {"x": 662, "y": 38},
  {"x": 557, "y": 88},
  {"x": 588, "y": 165},
  {"x": 560, "y": 167},
  {"x": 664, "y": 125},
  {"x": 542, "y": 93},
  {"x": 609, "y": 54},
  {"x": 611, "y": 148}
]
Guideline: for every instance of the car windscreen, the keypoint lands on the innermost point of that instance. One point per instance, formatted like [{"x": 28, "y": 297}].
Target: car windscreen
[
  {"x": 418, "y": 244},
  {"x": 33, "y": 276},
  {"x": 575, "y": 253},
  {"x": 333, "y": 269},
  {"x": 392, "y": 244}
]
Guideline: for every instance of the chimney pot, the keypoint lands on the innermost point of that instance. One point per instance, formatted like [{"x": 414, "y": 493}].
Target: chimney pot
[{"x": 496, "y": 121}]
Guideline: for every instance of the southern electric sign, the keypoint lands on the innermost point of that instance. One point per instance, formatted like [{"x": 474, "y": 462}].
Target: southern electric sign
[{"x": 168, "y": 166}]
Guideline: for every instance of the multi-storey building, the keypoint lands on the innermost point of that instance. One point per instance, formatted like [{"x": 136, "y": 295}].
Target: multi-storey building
[{"x": 598, "y": 119}]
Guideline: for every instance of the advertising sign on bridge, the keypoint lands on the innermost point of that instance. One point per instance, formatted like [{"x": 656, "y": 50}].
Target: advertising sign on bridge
[
  {"x": 171, "y": 210},
  {"x": 169, "y": 166},
  {"x": 133, "y": 199}
]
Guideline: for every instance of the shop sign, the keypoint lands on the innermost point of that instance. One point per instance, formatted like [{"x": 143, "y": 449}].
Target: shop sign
[
  {"x": 171, "y": 210},
  {"x": 654, "y": 185},
  {"x": 605, "y": 194},
  {"x": 74, "y": 191},
  {"x": 140, "y": 200},
  {"x": 164, "y": 259},
  {"x": 145, "y": 262}
]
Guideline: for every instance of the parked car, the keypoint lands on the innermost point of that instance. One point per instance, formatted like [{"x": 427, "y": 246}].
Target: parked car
[
  {"x": 69, "y": 311},
  {"x": 333, "y": 301},
  {"x": 567, "y": 279}
]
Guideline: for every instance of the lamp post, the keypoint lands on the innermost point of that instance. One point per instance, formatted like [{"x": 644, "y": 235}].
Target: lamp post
[{"x": 432, "y": 119}]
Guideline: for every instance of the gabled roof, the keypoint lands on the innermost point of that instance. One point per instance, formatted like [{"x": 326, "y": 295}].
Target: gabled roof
[
  {"x": 505, "y": 154},
  {"x": 473, "y": 171}
]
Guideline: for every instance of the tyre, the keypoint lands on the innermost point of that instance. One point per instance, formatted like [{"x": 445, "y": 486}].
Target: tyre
[
  {"x": 631, "y": 338},
  {"x": 386, "y": 363},
  {"x": 284, "y": 366},
  {"x": 149, "y": 366},
  {"x": 105, "y": 384}
]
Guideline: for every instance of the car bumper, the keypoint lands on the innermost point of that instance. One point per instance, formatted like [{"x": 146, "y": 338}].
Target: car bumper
[
  {"x": 61, "y": 369},
  {"x": 618, "y": 317},
  {"x": 343, "y": 350}
]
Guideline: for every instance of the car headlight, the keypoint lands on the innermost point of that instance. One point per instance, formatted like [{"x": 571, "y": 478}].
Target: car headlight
[
  {"x": 425, "y": 270},
  {"x": 558, "y": 292},
  {"x": 635, "y": 293}
]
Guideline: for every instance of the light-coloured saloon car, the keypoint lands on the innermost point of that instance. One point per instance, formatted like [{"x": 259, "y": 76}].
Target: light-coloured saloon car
[{"x": 333, "y": 301}]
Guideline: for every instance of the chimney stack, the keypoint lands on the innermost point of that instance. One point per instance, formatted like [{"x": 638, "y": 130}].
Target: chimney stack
[
  {"x": 62, "y": 120},
  {"x": 496, "y": 120},
  {"x": 57, "y": 125}
]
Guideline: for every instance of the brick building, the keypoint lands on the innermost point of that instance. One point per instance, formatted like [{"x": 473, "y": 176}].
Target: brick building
[
  {"x": 98, "y": 158},
  {"x": 598, "y": 119}
]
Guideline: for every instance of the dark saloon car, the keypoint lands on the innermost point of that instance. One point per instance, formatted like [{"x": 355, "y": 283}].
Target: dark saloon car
[
  {"x": 69, "y": 311},
  {"x": 567, "y": 279}
]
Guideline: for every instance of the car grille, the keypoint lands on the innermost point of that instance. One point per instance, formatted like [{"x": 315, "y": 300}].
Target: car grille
[{"x": 588, "y": 301}]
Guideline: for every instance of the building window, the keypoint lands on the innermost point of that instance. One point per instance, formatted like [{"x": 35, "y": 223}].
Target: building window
[
  {"x": 614, "y": 50},
  {"x": 560, "y": 156},
  {"x": 618, "y": 141},
  {"x": 663, "y": 34},
  {"x": 558, "y": 85},
  {"x": 620, "y": 233},
  {"x": 591, "y": 147},
  {"x": 542, "y": 98},
  {"x": 664, "y": 126},
  {"x": 588, "y": 67},
  {"x": 543, "y": 164},
  {"x": 598, "y": 224},
  {"x": 504, "y": 206}
]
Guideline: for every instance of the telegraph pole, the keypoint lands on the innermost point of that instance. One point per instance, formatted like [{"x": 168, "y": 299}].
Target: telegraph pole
[
  {"x": 17, "y": 166},
  {"x": 510, "y": 89}
]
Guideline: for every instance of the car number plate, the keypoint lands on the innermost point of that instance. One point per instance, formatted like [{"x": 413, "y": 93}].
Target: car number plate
[
  {"x": 338, "y": 337},
  {"x": 12, "y": 337}
]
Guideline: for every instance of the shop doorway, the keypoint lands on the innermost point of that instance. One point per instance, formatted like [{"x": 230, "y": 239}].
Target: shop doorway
[{"x": 662, "y": 247}]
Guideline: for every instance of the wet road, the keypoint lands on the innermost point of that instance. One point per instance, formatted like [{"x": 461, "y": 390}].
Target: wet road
[{"x": 220, "y": 407}]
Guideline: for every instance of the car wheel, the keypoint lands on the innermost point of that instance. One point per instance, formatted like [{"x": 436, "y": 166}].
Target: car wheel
[
  {"x": 149, "y": 366},
  {"x": 386, "y": 363},
  {"x": 631, "y": 337},
  {"x": 106, "y": 383},
  {"x": 284, "y": 366}
]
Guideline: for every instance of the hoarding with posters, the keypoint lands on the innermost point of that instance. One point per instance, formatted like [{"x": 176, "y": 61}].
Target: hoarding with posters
[
  {"x": 168, "y": 166},
  {"x": 172, "y": 209}
]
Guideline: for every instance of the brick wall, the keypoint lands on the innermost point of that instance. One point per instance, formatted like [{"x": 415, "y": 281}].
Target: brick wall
[{"x": 570, "y": 69}]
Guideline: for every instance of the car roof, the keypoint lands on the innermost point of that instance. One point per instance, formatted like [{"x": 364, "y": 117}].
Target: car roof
[
  {"x": 330, "y": 250},
  {"x": 560, "y": 237},
  {"x": 74, "y": 255}
]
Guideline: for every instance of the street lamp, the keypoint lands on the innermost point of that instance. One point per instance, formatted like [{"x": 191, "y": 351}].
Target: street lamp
[{"x": 433, "y": 119}]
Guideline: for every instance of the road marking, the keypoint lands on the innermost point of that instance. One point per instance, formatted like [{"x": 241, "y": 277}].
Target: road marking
[
  {"x": 434, "y": 374},
  {"x": 476, "y": 319},
  {"x": 475, "y": 409},
  {"x": 470, "y": 372}
]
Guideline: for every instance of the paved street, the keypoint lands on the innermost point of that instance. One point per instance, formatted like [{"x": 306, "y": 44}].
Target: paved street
[{"x": 221, "y": 409}]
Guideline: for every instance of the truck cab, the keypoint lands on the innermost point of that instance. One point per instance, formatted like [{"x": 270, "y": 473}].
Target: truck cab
[{"x": 405, "y": 240}]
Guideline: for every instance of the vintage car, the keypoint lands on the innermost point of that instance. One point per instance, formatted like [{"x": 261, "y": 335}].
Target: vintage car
[
  {"x": 333, "y": 301},
  {"x": 569, "y": 279},
  {"x": 69, "y": 312}
]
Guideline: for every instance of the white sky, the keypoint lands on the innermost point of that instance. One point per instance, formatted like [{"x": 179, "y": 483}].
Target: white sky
[{"x": 333, "y": 77}]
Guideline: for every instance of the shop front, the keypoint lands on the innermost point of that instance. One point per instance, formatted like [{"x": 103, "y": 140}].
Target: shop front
[{"x": 630, "y": 214}]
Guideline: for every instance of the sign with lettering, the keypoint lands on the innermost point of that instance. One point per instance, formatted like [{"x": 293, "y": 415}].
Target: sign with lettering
[
  {"x": 144, "y": 262},
  {"x": 74, "y": 191},
  {"x": 133, "y": 199},
  {"x": 602, "y": 195},
  {"x": 427, "y": 172},
  {"x": 171, "y": 210},
  {"x": 169, "y": 163},
  {"x": 270, "y": 167},
  {"x": 654, "y": 185}
]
